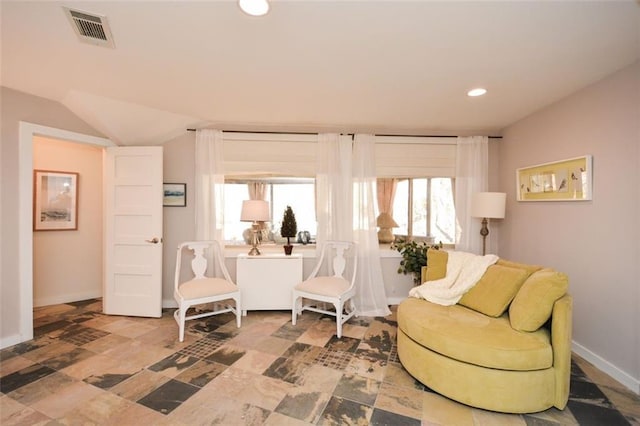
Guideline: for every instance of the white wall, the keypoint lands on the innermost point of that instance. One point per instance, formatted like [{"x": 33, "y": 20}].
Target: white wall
[
  {"x": 179, "y": 222},
  {"x": 597, "y": 243},
  {"x": 493, "y": 239},
  {"x": 67, "y": 265},
  {"x": 15, "y": 107}
]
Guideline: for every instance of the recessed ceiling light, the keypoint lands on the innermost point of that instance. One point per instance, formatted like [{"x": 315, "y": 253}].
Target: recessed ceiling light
[
  {"x": 254, "y": 7},
  {"x": 477, "y": 92}
]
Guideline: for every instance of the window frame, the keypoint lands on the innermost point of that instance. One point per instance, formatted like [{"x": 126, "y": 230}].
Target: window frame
[
  {"x": 410, "y": 193},
  {"x": 270, "y": 181}
]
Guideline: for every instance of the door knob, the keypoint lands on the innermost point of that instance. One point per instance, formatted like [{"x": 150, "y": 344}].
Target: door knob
[{"x": 155, "y": 240}]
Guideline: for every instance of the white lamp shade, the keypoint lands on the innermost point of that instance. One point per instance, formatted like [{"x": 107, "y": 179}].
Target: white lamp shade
[
  {"x": 490, "y": 205},
  {"x": 254, "y": 210}
]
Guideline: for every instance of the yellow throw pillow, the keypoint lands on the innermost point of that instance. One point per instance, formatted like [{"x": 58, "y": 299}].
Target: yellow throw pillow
[
  {"x": 436, "y": 264},
  {"x": 533, "y": 304},
  {"x": 529, "y": 268},
  {"x": 495, "y": 290}
]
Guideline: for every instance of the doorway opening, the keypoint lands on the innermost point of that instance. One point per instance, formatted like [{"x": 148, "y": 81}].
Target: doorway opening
[
  {"x": 67, "y": 264},
  {"x": 27, "y": 132}
]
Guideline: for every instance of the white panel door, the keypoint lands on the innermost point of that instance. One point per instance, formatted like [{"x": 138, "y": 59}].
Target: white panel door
[{"x": 133, "y": 231}]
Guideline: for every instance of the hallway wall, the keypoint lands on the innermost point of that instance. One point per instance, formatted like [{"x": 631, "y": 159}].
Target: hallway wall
[{"x": 67, "y": 265}]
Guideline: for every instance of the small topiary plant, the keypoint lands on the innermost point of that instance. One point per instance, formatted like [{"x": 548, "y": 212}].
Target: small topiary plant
[{"x": 289, "y": 226}]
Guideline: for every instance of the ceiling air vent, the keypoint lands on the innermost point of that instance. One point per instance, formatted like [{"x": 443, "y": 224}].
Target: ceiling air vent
[{"x": 90, "y": 28}]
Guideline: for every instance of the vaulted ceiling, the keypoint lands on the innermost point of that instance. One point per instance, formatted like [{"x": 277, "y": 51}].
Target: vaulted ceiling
[{"x": 394, "y": 67}]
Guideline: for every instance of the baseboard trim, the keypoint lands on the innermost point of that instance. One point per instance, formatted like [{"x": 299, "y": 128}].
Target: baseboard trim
[
  {"x": 169, "y": 304},
  {"x": 14, "y": 339},
  {"x": 395, "y": 300},
  {"x": 624, "y": 378},
  {"x": 66, "y": 298}
]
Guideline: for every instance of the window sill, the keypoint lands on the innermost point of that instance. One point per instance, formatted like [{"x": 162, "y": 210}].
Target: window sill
[
  {"x": 309, "y": 250},
  {"x": 232, "y": 251}
]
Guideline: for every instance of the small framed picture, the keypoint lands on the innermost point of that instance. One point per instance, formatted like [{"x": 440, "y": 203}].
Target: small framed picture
[
  {"x": 564, "y": 180},
  {"x": 175, "y": 195},
  {"x": 55, "y": 201}
]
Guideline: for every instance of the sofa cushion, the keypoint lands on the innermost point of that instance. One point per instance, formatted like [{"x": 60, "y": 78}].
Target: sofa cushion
[
  {"x": 436, "y": 264},
  {"x": 529, "y": 268},
  {"x": 495, "y": 290},
  {"x": 533, "y": 304},
  {"x": 469, "y": 336}
]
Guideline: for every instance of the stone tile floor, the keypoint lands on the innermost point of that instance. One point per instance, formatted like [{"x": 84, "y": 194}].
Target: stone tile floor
[{"x": 84, "y": 367}]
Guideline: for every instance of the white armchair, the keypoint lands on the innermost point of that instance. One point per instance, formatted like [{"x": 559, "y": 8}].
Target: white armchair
[
  {"x": 331, "y": 288},
  {"x": 202, "y": 289}
]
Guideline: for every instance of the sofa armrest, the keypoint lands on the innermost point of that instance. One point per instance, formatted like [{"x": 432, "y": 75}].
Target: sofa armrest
[{"x": 561, "y": 328}]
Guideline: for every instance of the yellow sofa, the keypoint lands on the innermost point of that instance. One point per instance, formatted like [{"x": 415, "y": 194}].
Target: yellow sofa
[{"x": 506, "y": 345}]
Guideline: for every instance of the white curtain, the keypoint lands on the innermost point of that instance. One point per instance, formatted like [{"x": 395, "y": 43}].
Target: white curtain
[
  {"x": 370, "y": 298},
  {"x": 333, "y": 188},
  {"x": 209, "y": 193},
  {"x": 472, "y": 175},
  {"x": 333, "y": 191}
]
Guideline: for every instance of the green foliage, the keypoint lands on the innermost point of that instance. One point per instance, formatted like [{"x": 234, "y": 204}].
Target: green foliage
[
  {"x": 414, "y": 257},
  {"x": 289, "y": 226}
]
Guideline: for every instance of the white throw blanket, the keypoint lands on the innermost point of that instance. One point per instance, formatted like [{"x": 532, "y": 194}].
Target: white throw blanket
[{"x": 464, "y": 270}]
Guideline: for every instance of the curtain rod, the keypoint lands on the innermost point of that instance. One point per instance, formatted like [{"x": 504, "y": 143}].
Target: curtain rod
[{"x": 315, "y": 133}]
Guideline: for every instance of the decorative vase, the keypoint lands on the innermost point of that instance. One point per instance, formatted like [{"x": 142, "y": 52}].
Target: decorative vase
[
  {"x": 385, "y": 235},
  {"x": 288, "y": 248}
]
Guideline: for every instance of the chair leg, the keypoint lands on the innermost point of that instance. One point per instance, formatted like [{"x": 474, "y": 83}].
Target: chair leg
[
  {"x": 294, "y": 310},
  {"x": 338, "y": 306},
  {"x": 182, "y": 313},
  {"x": 352, "y": 306},
  {"x": 238, "y": 311}
]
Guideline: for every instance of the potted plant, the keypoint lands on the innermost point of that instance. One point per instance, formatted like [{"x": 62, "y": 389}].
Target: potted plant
[
  {"x": 288, "y": 229},
  {"x": 414, "y": 257}
]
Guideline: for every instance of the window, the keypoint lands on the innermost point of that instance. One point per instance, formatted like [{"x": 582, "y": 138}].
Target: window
[
  {"x": 299, "y": 193},
  {"x": 423, "y": 207}
]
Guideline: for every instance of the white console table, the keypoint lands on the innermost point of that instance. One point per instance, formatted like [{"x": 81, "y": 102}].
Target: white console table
[{"x": 266, "y": 280}]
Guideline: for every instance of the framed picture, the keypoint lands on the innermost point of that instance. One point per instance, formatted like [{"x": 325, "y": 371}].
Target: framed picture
[
  {"x": 175, "y": 194},
  {"x": 55, "y": 201},
  {"x": 565, "y": 180}
]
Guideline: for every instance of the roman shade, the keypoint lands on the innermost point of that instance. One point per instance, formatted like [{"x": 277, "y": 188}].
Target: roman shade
[
  {"x": 415, "y": 156},
  {"x": 269, "y": 154}
]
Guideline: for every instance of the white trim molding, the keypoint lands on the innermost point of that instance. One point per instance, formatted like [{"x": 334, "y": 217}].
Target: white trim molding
[
  {"x": 26, "y": 133},
  {"x": 66, "y": 298},
  {"x": 14, "y": 339},
  {"x": 169, "y": 304},
  {"x": 395, "y": 300},
  {"x": 605, "y": 366}
]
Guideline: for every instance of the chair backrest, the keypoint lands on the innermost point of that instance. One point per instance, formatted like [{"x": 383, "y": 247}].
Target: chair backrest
[
  {"x": 202, "y": 250},
  {"x": 336, "y": 254}
]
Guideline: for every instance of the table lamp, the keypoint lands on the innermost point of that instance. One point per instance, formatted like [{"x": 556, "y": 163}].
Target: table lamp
[
  {"x": 254, "y": 211},
  {"x": 386, "y": 223}
]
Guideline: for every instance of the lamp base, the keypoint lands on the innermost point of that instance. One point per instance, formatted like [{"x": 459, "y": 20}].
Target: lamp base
[
  {"x": 484, "y": 231},
  {"x": 254, "y": 240},
  {"x": 385, "y": 235}
]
